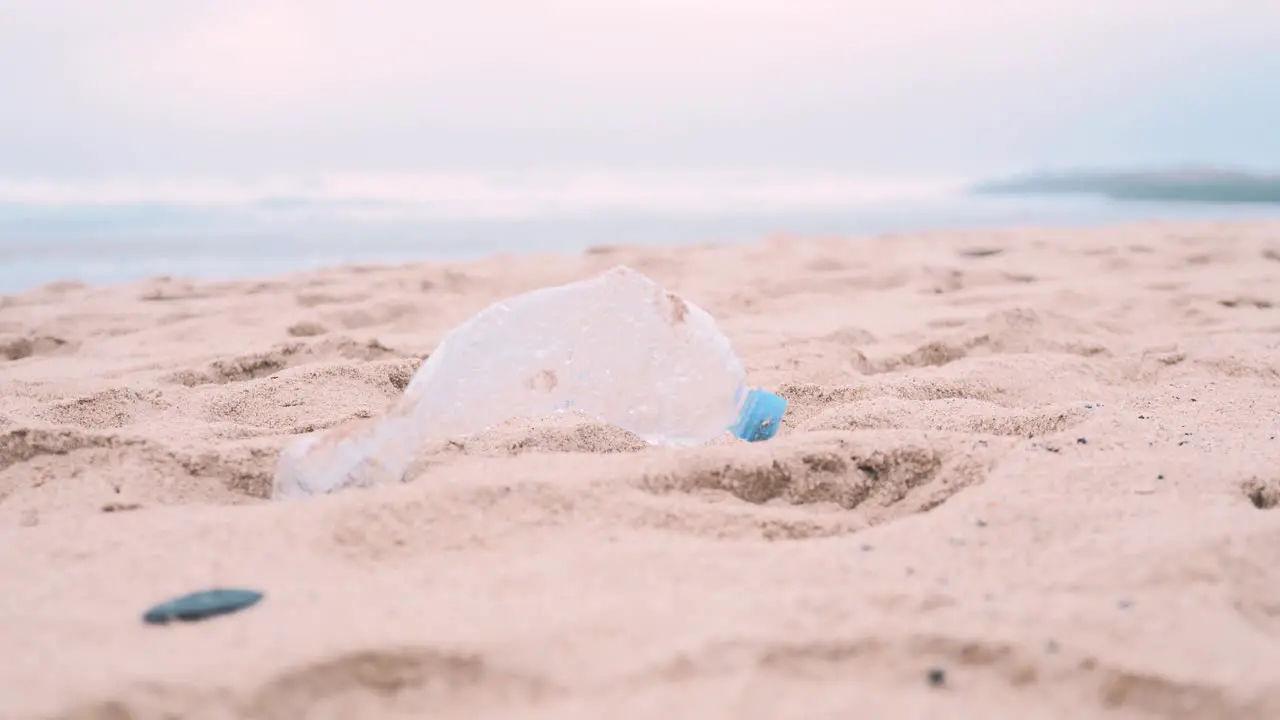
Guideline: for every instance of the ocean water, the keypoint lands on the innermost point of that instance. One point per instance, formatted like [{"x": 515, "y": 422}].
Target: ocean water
[{"x": 109, "y": 236}]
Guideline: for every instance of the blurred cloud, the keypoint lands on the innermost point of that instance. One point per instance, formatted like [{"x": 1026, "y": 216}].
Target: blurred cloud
[{"x": 305, "y": 88}]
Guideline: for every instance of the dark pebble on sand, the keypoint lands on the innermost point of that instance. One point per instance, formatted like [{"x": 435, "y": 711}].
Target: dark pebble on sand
[
  {"x": 1082, "y": 441},
  {"x": 201, "y": 605}
]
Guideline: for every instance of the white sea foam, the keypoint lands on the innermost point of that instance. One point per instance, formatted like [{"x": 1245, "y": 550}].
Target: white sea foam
[
  {"x": 475, "y": 196},
  {"x": 119, "y": 230}
]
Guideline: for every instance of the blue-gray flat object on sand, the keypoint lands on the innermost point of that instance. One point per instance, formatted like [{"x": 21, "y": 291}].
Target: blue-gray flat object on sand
[{"x": 201, "y": 605}]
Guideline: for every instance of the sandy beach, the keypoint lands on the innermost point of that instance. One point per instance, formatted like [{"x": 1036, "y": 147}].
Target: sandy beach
[{"x": 1023, "y": 474}]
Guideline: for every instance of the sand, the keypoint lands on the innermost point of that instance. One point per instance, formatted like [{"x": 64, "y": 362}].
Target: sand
[{"x": 1023, "y": 474}]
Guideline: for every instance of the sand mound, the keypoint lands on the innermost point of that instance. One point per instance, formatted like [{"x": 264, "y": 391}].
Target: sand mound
[{"x": 1023, "y": 474}]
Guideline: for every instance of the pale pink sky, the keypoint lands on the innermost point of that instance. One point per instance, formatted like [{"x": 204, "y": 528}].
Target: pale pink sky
[{"x": 245, "y": 88}]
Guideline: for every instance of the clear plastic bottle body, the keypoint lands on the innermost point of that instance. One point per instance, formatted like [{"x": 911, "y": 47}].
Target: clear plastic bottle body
[{"x": 616, "y": 347}]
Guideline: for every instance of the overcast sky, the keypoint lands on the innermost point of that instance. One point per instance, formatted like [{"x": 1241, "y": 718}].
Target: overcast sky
[{"x": 252, "y": 88}]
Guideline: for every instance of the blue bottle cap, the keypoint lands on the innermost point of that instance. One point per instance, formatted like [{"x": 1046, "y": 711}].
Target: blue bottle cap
[{"x": 760, "y": 416}]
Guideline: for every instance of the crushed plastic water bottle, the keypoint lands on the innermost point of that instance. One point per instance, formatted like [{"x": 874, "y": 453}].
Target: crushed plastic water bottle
[{"x": 616, "y": 347}]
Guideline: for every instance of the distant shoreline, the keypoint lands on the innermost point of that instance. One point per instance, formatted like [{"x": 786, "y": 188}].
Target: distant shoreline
[{"x": 1191, "y": 186}]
